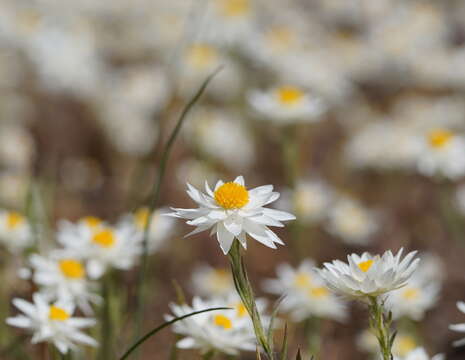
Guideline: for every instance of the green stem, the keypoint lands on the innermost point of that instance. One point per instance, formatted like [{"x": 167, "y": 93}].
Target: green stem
[
  {"x": 106, "y": 326},
  {"x": 312, "y": 329},
  {"x": 245, "y": 291},
  {"x": 290, "y": 153},
  {"x": 381, "y": 326}
]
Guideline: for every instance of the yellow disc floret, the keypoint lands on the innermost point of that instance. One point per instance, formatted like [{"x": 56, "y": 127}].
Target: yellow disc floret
[
  {"x": 202, "y": 56},
  {"x": 72, "y": 269},
  {"x": 241, "y": 310},
  {"x": 58, "y": 314},
  {"x": 13, "y": 220},
  {"x": 410, "y": 294},
  {"x": 92, "y": 221},
  {"x": 223, "y": 321},
  {"x": 404, "y": 344},
  {"x": 365, "y": 265},
  {"x": 141, "y": 217},
  {"x": 104, "y": 238},
  {"x": 231, "y": 196},
  {"x": 234, "y": 8},
  {"x": 319, "y": 292},
  {"x": 289, "y": 95},
  {"x": 302, "y": 280},
  {"x": 439, "y": 138}
]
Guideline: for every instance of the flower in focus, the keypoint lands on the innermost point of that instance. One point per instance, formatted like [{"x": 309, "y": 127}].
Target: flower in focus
[
  {"x": 52, "y": 323},
  {"x": 367, "y": 275},
  {"x": 442, "y": 154},
  {"x": 459, "y": 327},
  {"x": 227, "y": 331},
  {"x": 231, "y": 211},
  {"x": 305, "y": 294},
  {"x": 15, "y": 231},
  {"x": 351, "y": 222},
  {"x": 210, "y": 282},
  {"x": 287, "y": 104},
  {"x": 63, "y": 278},
  {"x": 100, "y": 245}
]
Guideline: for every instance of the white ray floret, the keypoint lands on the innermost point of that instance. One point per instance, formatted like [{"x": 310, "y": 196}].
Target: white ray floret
[
  {"x": 231, "y": 211},
  {"x": 459, "y": 327}
]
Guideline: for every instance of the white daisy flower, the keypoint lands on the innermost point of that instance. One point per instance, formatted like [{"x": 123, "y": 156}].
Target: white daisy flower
[
  {"x": 367, "y": 275},
  {"x": 100, "y": 245},
  {"x": 208, "y": 281},
  {"x": 15, "y": 231},
  {"x": 287, "y": 104},
  {"x": 226, "y": 331},
  {"x": 61, "y": 277},
  {"x": 459, "y": 327},
  {"x": 52, "y": 323},
  {"x": 161, "y": 227},
  {"x": 305, "y": 294},
  {"x": 351, "y": 222},
  {"x": 443, "y": 154},
  {"x": 232, "y": 211}
]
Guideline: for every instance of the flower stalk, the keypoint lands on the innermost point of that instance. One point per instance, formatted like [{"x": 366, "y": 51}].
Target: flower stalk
[
  {"x": 245, "y": 291},
  {"x": 381, "y": 326}
]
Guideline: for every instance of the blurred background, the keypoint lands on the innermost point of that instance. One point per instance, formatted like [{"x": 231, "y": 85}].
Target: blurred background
[{"x": 353, "y": 110}]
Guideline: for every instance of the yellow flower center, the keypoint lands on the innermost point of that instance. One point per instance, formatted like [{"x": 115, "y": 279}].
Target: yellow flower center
[
  {"x": 141, "y": 217},
  {"x": 302, "y": 280},
  {"x": 92, "y": 221},
  {"x": 404, "y": 345},
  {"x": 223, "y": 321},
  {"x": 220, "y": 280},
  {"x": 13, "y": 220},
  {"x": 235, "y": 8},
  {"x": 72, "y": 269},
  {"x": 439, "y": 138},
  {"x": 241, "y": 310},
  {"x": 104, "y": 238},
  {"x": 365, "y": 265},
  {"x": 319, "y": 292},
  {"x": 231, "y": 196},
  {"x": 201, "y": 56},
  {"x": 57, "y": 314},
  {"x": 410, "y": 293},
  {"x": 289, "y": 95},
  {"x": 280, "y": 38}
]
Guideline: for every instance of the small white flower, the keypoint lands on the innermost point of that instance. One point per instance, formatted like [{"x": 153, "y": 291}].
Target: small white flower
[
  {"x": 459, "y": 327},
  {"x": 305, "y": 294},
  {"x": 15, "y": 231},
  {"x": 52, "y": 323},
  {"x": 351, "y": 222},
  {"x": 442, "y": 154},
  {"x": 208, "y": 281},
  {"x": 287, "y": 104},
  {"x": 100, "y": 245},
  {"x": 60, "y": 277},
  {"x": 232, "y": 211},
  {"x": 369, "y": 276},
  {"x": 227, "y": 331}
]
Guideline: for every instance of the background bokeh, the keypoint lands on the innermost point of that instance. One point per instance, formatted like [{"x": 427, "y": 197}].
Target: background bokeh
[{"x": 90, "y": 90}]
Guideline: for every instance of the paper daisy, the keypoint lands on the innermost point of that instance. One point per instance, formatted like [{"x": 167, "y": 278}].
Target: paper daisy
[
  {"x": 15, "y": 231},
  {"x": 459, "y": 327},
  {"x": 369, "y": 276},
  {"x": 232, "y": 211},
  {"x": 287, "y": 104},
  {"x": 52, "y": 323}
]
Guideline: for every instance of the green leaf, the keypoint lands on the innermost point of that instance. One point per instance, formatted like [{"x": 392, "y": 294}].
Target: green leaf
[
  {"x": 162, "y": 326},
  {"x": 284, "y": 345},
  {"x": 269, "y": 334}
]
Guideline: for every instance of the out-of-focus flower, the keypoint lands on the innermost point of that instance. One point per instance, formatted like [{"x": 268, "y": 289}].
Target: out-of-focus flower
[
  {"x": 226, "y": 331},
  {"x": 420, "y": 354},
  {"x": 287, "y": 104},
  {"x": 52, "y": 323},
  {"x": 351, "y": 222},
  {"x": 369, "y": 276},
  {"x": 304, "y": 293},
  {"x": 210, "y": 282},
  {"x": 220, "y": 135},
  {"x": 459, "y": 327},
  {"x": 161, "y": 227},
  {"x": 195, "y": 172},
  {"x": 15, "y": 231},
  {"x": 63, "y": 278},
  {"x": 310, "y": 200},
  {"x": 100, "y": 245},
  {"x": 442, "y": 154},
  {"x": 231, "y": 211},
  {"x": 403, "y": 344},
  {"x": 16, "y": 147}
]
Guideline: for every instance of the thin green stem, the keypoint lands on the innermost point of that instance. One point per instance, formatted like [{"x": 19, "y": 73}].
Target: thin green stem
[
  {"x": 106, "y": 332},
  {"x": 381, "y": 326},
  {"x": 245, "y": 291},
  {"x": 312, "y": 330}
]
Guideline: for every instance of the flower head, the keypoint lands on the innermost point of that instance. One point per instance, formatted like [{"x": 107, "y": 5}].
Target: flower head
[
  {"x": 52, "y": 323},
  {"x": 232, "y": 211},
  {"x": 459, "y": 327},
  {"x": 209, "y": 281},
  {"x": 369, "y": 276},
  {"x": 15, "y": 231}
]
